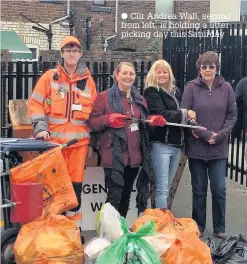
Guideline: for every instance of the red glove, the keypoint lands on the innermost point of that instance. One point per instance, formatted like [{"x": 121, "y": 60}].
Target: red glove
[
  {"x": 117, "y": 120},
  {"x": 157, "y": 120}
]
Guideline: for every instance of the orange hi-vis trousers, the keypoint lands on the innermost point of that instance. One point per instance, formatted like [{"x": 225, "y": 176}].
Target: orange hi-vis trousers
[{"x": 75, "y": 159}]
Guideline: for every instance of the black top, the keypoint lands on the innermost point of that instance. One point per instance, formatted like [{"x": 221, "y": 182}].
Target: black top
[
  {"x": 241, "y": 100},
  {"x": 161, "y": 102}
]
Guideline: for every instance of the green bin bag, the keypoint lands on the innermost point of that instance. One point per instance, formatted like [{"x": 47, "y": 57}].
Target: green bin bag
[{"x": 131, "y": 248}]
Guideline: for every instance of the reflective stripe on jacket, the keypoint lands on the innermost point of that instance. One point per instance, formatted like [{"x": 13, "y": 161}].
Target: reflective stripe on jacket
[{"x": 62, "y": 104}]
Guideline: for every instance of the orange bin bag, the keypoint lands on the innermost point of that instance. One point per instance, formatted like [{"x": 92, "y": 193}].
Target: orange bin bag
[
  {"x": 178, "y": 225},
  {"x": 160, "y": 219},
  {"x": 165, "y": 222},
  {"x": 49, "y": 169},
  {"x": 187, "y": 249},
  {"x": 54, "y": 240}
]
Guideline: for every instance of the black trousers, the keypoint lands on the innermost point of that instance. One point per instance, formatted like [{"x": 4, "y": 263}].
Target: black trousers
[
  {"x": 78, "y": 189},
  {"x": 119, "y": 196}
]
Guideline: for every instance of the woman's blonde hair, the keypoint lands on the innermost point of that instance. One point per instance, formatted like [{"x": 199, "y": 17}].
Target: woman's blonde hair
[
  {"x": 119, "y": 67},
  {"x": 151, "y": 79}
]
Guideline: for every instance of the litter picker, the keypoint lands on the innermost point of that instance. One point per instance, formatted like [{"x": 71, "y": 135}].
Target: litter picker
[{"x": 193, "y": 126}]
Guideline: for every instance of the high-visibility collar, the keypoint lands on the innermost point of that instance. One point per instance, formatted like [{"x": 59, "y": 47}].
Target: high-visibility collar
[{"x": 81, "y": 72}]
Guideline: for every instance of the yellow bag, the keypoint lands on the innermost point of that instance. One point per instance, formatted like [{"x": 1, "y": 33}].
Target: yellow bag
[{"x": 54, "y": 240}]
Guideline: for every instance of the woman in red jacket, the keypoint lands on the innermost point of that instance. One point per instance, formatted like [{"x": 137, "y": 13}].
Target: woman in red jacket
[{"x": 118, "y": 115}]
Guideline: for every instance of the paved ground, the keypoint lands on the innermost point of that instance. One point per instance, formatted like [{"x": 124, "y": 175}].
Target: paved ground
[{"x": 236, "y": 213}]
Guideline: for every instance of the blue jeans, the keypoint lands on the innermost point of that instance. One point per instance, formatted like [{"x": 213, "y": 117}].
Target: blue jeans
[
  {"x": 216, "y": 170},
  {"x": 165, "y": 161}
]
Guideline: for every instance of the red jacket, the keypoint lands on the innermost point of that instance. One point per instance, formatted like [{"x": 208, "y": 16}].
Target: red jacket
[{"x": 99, "y": 121}]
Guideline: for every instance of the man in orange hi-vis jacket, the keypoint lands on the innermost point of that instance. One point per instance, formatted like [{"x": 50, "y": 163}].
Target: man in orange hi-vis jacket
[{"x": 60, "y": 106}]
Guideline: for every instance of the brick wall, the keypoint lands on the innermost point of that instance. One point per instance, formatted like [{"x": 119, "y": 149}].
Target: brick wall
[
  {"x": 130, "y": 32},
  {"x": 34, "y": 37},
  {"x": 103, "y": 24},
  {"x": 197, "y": 7},
  {"x": 54, "y": 55},
  {"x": 140, "y": 27},
  {"x": 34, "y": 9},
  {"x": 42, "y": 13},
  {"x": 146, "y": 39}
]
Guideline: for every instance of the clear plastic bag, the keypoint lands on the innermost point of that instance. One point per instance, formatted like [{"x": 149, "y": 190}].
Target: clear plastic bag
[
  {"x": 94, "y": 247},
  {"x": 108, "y": 223},
  {"x": 160, "y": 242}
]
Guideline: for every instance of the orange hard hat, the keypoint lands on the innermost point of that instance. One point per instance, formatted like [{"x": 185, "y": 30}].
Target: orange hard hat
[{"x": 70, "y": 40}]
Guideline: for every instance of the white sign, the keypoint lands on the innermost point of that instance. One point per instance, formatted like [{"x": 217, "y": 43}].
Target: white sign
[{"x": 94, "y": 196}]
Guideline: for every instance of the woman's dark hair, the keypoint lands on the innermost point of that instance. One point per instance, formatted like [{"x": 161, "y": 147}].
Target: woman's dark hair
[{"x": 208, "y": 58}]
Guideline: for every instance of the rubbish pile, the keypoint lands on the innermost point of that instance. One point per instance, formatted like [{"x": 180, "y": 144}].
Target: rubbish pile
[
  {"x": 51, "y": 238},
  {"x": 157, "y": 237}
]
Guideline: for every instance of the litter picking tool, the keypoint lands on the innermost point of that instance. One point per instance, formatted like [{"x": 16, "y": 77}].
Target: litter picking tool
[
  {"x": 176, "y": 180},
  {"x": 182, "y": 125},
  {"x": 194, "y": 126}
]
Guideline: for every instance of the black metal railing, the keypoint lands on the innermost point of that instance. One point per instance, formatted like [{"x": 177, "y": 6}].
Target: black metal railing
[{"x": 19, "y": 78}]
